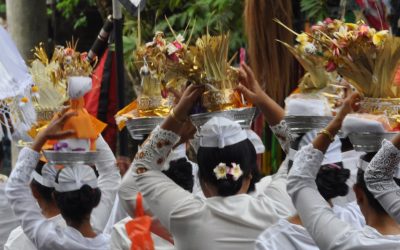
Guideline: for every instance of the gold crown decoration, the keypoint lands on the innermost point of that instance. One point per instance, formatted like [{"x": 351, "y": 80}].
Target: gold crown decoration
[
  {"x": 154, "y": 100},
  {"x": 50, "y": 92}
]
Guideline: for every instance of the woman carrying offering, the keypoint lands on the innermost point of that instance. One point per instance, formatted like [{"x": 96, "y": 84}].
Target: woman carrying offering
[
  {"x": 228, "y": 218},
  {"x": 84, "y": 201},
  {"x": 328, "y": 231}
]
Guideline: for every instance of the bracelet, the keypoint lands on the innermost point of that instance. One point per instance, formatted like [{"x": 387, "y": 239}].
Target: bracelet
[
  {"x": 173, "y": 115},
  {"x": 328, "y": 134}
]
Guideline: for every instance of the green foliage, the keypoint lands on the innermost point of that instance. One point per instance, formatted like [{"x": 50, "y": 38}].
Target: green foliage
[
  {"x": 72, "y": 10},
  {"x": 216, "y": 15},
  {"x": 2, "y": 8},
  {"x": 315, "y": 10}
]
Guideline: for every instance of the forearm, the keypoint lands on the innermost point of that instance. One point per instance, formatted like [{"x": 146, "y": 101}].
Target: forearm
[
  {"x": 379, "y": 178},
  {"x": 322, "y": 141},
  {"x": 108, "y": 182},
  {"x": 19, "y": 195},
  {"x": 156, "y": 149},
  {"x": 273, "y": 113},
  {"x": 314, "y": 211}
]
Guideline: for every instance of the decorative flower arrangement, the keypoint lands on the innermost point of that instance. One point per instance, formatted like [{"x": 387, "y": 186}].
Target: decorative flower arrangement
[
  {"x": 367, "y": 58},
  {"x": 221, "y": 171},
  {"x": 207, "y": 63}
]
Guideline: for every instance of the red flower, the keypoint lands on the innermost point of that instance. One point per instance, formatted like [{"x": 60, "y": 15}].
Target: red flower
[
  {"x": 328, "y": 21},
  {"x": 330, "y": 66},
  {"x": 84, "y": 56}
]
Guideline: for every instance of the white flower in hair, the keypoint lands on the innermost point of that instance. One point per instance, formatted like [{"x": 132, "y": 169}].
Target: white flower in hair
[
  {"x": 236, "y": 171},
  {"x": 220, "y": 171}
]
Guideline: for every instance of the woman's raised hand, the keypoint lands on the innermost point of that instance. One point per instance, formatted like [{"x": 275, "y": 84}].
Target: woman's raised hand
[
  {"x": 187, "y": 100},
  {"x": 53, "y": 131},
  {"x": 249, "y": 86}
]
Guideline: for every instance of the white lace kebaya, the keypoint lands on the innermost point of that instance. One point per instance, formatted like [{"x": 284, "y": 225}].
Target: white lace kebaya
[
  {"x": 328, "y": 231},
  {"x": 232, "y": 222},
  {"x": 379, "y": 178}
]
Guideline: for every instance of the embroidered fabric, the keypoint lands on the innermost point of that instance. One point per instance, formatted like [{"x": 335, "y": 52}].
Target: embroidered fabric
[
  {"x": 285, "y": 137},
  {"x": 380, "y": 171},
  {"x": 155, "y": 149},
  {"x": 307, "y": 162},
  {"x": 22, "y": 173}
]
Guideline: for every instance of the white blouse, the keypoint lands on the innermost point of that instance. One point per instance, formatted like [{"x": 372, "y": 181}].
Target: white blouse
[
  {"x": 8, "y": 221},
  {"x": 289, "y": 236},
  {"x": 232, "y": 222},
  {"x": 327, "y": 230},
  {"x": 379, "y": 178},
  {"x": 18, "y": 240},
  {"x": 46, "y": 234}
]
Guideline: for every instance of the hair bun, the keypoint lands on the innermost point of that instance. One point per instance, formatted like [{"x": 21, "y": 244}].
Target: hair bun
[{"x": 331, "y": 182}]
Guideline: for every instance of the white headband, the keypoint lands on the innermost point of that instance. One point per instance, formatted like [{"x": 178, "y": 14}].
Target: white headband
[
  {"x": 72, "y": 178},
  {"x": 332, "y": 155},
  {"x": 219, "y": 132},
  {"x": 48, "y": 176},
  {"x": 362, "y": 164}
]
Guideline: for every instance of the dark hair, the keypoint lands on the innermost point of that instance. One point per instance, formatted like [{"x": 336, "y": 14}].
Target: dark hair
[
  {"x": 45, "y": 192},
  {"x": 242, "y": 153},
  {"x": 331, "y": 181},
  {"x": 181, "y": 172},
  {"x": 331, "y": 178},
  {"x": 78, "y": 204},
  {"x": 374, "y": 203}
]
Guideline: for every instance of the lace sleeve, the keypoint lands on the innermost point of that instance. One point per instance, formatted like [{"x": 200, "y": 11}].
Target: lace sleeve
[
  {"x": 155, "y": 149},
  {"x": 282, "y": 132},
  {"x": 314, "y": 211},
  {"x": 379, "y": 178}
]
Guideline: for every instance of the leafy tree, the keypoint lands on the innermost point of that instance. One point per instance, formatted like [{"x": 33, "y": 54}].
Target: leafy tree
[{"x": 216, "y": 15}]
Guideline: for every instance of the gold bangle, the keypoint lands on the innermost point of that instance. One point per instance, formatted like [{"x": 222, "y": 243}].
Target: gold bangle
[
  {"x": 173, "y": 115},
  {"x": 328, "y": 134}
]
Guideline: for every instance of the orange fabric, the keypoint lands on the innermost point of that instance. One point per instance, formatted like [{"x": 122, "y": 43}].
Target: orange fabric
[
  {"x": 296, "y": 91},
  {"x": 131, "y": 106},
  {"x": 85, "y": 125},
  {"x": 138, "y": 229}
]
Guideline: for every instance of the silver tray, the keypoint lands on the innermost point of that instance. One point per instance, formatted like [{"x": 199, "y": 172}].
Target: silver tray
[
  {"x": 138, "y": 127},
  {"x": 369, "y": 142},
  {"x": 304, "y": 124},
  {"x": 70, "y": 158},
  {"x": 244, "y": 116}
]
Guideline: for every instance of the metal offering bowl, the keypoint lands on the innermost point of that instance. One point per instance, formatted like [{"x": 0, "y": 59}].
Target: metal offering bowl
[
  {"x": 244, "y": 116},
  {"x": 71, "y": 158},
  {"x": 138, "y": 127},
  {"x": 369, "y": 142},
  {"x": 304, "y": 124}
]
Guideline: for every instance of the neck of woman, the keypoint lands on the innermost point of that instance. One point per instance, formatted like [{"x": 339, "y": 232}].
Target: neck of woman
[
  {"x": 83, "y": 227},
  {"x": 383, "y": 223},
  {"x": 49, "y": 210}
]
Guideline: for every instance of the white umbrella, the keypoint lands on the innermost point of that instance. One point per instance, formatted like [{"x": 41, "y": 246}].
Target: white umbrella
[{"x": 15, "y": 84}]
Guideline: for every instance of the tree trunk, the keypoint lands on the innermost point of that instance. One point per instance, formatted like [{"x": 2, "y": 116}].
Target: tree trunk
[{"x": 27, "y": 24}]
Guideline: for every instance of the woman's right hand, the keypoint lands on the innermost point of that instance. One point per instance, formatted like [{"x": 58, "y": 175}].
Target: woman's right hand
[
  {"x": 249, "y": 86},
  {"x": 53, "y": 131},
  {"x": 187, "y": 100}
]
